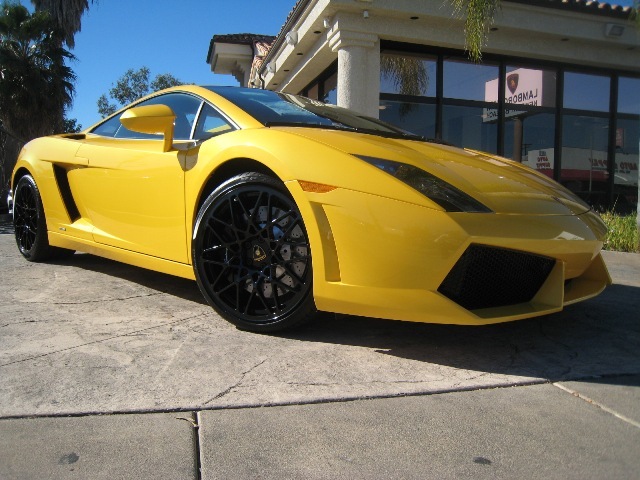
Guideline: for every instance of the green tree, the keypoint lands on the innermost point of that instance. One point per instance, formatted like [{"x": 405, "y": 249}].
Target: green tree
[
  {"x": 36, "y": 87},
  {"x": 71, "y": 125},
  {"x": 133, "y": 85},
  {"x": 66, "y": 14}
]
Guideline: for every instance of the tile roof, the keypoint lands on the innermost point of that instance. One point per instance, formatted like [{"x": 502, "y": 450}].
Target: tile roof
[{"x": 582, "y": 6}]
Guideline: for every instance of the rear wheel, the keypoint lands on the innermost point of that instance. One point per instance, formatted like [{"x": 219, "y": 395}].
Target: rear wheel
[
  {"x": 252, "y": 256},
  {"x": 30, "y": 225}
]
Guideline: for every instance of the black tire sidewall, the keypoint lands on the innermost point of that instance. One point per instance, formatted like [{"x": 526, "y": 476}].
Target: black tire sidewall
[{"x": 40, "y": 249}]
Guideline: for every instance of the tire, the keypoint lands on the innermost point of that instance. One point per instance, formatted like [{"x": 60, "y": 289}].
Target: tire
[
  {"x": 252, "y": 257},
  {"x": 30, "y": 225}
]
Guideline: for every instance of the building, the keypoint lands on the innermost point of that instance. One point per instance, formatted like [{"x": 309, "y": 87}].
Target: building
[{"x": 558, "y": 87}]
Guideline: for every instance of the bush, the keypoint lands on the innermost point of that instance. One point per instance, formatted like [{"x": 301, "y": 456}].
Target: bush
[{"x": 623, "y": 232}]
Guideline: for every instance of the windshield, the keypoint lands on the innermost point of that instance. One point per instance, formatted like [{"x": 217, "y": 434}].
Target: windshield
[{"x": 278, "y": 109}]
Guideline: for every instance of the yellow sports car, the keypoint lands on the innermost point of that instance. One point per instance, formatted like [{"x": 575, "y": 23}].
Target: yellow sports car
[{"x": 280, "y": 206}]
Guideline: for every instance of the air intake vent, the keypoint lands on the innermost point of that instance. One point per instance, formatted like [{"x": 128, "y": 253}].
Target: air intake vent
[{"x": 487, "y": 277}]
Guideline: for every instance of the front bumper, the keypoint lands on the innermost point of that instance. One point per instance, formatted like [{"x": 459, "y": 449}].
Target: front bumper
[{"x": 378, "y": 257}]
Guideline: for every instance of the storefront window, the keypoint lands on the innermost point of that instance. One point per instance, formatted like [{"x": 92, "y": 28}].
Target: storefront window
[
  {"x": 529, "y": 138},
  {"x": 404, "y": 74},
  {"x": 629, "y": 95},
  {"x": 586, "y": 92},
  {"x": 468, "y": 81},
  {"x": 627, "y": 141},
  {"x": 584, "y": 157},
  {"x": 418, "y": 118},
  {"x": 469, "y": 127},
  {"x": 330, "y": 90}
]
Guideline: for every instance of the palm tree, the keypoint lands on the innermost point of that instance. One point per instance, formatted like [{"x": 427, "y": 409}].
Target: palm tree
[
  {"x": 409, "y": 75},
  {"x": 480, "y": 14},
  {"x": 479, "y": 17},
  {"x": 35, "y": 84},
  {"x": 66, "y": 14}
]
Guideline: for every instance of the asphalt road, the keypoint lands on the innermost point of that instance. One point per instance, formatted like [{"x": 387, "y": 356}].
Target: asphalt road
[{"x": 87, "y": 336}]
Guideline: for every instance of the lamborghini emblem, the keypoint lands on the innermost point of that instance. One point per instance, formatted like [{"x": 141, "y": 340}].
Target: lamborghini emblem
[{"x": 258, "y": 254}]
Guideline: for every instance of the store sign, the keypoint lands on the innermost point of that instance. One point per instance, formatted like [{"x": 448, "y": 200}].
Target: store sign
[
  {"x": 541, "y": 160},
  {"x": 581, "y": 164},
  {"x": 522, "y": 87}
]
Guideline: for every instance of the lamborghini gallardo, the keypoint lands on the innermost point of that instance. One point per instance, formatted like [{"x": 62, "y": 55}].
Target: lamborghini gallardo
[{"x": 280, "y": 207}]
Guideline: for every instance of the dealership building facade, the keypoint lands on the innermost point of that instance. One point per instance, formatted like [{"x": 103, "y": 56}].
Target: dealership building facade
[{"x": 558, "y": 87}]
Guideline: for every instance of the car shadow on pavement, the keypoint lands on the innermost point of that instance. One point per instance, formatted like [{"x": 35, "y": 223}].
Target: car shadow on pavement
[
  {"x": 595, "y": 338},
  {"x": 169, "y": 284}
]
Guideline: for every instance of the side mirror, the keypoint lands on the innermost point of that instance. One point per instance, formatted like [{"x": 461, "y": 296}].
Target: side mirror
[{"x": 154, "y": 119}]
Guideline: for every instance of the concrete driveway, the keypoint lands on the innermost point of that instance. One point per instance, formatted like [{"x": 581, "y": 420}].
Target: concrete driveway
[{"x": 90, "y": 336}]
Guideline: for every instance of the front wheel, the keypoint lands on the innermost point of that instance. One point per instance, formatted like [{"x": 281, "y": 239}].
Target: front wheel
[{"x": 252, "y": 256}]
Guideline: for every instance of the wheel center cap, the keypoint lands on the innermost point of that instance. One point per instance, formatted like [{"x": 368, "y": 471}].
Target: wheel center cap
[{"x": 259, "y": 254}]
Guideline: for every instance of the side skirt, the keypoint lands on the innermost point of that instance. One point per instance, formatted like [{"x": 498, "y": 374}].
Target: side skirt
[{"x": 125, "y": 256}]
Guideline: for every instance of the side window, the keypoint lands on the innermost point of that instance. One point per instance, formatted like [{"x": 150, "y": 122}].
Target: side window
[
  {"x": 210, "y": 123},
  {"x": 184, "y": 106},
  {"x": 108, "y": 128}
]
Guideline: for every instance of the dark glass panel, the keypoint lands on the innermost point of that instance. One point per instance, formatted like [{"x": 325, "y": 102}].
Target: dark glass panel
[
  {"x": 469, "y": 127},
  {"x": 418, "y": 118}
]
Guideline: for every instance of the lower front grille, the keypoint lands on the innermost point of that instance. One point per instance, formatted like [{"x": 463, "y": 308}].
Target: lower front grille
[{"x": 488, "y": 277}]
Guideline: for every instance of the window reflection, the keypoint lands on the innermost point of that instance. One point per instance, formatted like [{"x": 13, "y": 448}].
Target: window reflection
[
  {"x": 467, "y": 127},
  {"x": 330, "y": 90},
  {"x": 629, "y": 95},
  {"x": 407, "y": 75},
  {"x": 529, "y": 138},
  {"x": 625, "y": 193},
  {"x": 584, "y": 157},
  {"x": 418, "y": 118},
  {"x": 528, "y": 86},
  {"x": 586, "y": 92},
  {"x": 466, "y": 80},
  {"x": 626, "y": 168}
]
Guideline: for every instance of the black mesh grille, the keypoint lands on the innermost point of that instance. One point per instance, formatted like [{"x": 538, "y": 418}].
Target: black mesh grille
[{"x": 486, "y": 277}]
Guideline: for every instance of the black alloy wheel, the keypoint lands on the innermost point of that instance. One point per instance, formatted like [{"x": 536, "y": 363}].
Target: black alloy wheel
[
  {"x": 28, "y": 220},
  {"x": 252, "y": 256},
  {"x": 30, "y": 225}
]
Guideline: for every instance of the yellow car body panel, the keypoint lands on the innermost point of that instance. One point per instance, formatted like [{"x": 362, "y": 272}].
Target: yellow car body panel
[{"x": 379, "y": 248}]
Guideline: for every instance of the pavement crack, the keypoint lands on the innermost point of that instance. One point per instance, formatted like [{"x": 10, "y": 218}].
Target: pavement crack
[
  {"x": 235, "y": 385},
  {"x": 105, "y": 300},
  {"x": 19, "y": 323},
  {"x": 597, "y": 404},
  {"x": 127, "y": 334}
]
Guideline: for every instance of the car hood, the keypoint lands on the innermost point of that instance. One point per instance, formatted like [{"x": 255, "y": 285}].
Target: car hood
[{"x": 503, "y": 185}]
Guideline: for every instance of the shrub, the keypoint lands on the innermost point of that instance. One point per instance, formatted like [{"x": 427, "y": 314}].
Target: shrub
[{"x": 623, "y": 232}]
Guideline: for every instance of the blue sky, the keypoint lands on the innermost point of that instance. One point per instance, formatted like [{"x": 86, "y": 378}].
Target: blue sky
[{"x": 168, "y": 37}]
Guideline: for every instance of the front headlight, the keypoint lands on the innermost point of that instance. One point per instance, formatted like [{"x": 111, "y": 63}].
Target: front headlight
[{"x": 444, "y": 194}]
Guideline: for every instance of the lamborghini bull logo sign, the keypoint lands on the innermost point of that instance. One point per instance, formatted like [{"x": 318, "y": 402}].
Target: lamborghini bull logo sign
[{"x": 512, "y": 82}]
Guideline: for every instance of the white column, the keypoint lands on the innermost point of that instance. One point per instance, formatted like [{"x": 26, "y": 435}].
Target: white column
[{"x": 358, "y": 70}]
